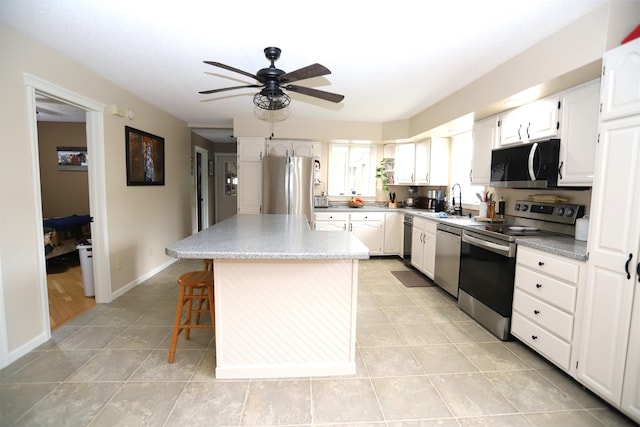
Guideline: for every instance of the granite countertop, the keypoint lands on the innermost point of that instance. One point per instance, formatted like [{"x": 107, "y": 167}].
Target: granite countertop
[
  {"x": 277, "y": 237},
  {"x": 557, "y": 244},
  {"x": 561, "y": 245}
]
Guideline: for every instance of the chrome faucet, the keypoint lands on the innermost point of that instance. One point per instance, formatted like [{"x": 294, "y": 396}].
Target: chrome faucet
[{"x": 457, "y": 210}]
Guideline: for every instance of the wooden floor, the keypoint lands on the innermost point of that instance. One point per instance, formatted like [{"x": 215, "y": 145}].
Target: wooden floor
[{"x": 66, "y": 291}]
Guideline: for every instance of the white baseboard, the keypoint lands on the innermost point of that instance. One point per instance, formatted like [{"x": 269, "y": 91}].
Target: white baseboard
[{"x": 126, "y": 288}]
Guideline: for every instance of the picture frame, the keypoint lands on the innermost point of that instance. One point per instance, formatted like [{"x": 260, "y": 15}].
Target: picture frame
[
  {"x": 145, "y": 158},
  {"x": 72, "y": 159}
]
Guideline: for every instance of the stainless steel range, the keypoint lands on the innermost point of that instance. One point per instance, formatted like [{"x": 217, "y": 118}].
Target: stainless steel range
[{"x": 488, "y": 262}]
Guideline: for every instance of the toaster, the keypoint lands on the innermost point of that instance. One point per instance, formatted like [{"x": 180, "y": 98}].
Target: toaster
[{"x": 320, "y": 201}]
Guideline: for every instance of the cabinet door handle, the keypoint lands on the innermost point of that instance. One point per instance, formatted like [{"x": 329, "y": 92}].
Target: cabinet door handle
[
  {"x": 560, "y": 169},
  {"x": 540, "y": 263},
  {"x": 536, "y": 312},
  {"x": 626, "y": 266},
  {"x": 519, "y": 137},
  {"x": 534, "y": 337},
  {"x": 528, "y": 134},
  {"x": 538, "y": 285},
  {"x": 638, "y": 271}
]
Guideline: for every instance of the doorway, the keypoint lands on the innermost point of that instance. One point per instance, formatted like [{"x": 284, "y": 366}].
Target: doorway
[
  {"x": 201, "y": 187},
  {"x": 226, "y": 185},
  {"x": 64, "y": 190},
  {"x": 94, "y": 128}
]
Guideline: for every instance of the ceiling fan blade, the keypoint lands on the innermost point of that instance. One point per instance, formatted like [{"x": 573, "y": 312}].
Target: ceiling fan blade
[
  {"x": 310, "y": 71},
  {"x": 206, "y": 92},
  {"x": 230, "y": 68},
  {"x": 327, "y": 96}
]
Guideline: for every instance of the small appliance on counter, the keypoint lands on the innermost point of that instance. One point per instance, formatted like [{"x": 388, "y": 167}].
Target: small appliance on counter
[
  {"x": 320, "y": 201},
  {"x": 436, "y": 200}
]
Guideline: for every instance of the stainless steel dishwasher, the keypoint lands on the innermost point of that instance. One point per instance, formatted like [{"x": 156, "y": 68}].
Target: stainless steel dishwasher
[{"x": 447, "y": 269}]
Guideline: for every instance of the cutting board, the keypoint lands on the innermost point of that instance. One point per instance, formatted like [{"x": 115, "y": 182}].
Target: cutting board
[{"x": 547, "y": 198}]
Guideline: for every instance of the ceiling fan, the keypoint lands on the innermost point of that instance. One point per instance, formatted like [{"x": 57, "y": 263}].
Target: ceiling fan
[{"x": 272, "y": 80}]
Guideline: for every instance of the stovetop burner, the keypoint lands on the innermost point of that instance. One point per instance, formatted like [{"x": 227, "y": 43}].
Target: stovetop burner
[{"x": 506, "y": 232}]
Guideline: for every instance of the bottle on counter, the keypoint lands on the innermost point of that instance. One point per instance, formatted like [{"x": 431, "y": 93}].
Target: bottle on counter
[{"x": 501, "y": 207}]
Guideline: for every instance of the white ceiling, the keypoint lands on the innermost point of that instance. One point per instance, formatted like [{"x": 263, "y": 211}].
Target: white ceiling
[{"x": 391, "y": 60}]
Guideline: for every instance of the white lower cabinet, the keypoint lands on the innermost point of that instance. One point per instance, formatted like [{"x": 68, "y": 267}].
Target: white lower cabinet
[
  {"x": 368, "y": 227},
  {"x": 393, "y": 227},
  {"x": 330, "y": 221},
  {"x": 423, "y": 245},
  {"x": 544, "y": 303}
]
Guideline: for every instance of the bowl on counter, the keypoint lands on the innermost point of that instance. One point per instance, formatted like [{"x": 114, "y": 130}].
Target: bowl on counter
[{"x": 353, "y": 204}]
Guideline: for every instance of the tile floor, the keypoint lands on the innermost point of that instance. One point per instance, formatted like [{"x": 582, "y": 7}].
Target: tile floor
[{"x": 420, "y": 362}]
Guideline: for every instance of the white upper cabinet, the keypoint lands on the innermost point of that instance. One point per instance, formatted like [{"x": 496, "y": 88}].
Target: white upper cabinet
[
  {"x": 486, "y": 136},
  {"x": 534, "y": 121},
  {"x": 251, "y": 148},
  {"x": 405, "y": 163},
  {"x": 284, "y": 148},
  {"x": 578, "y": 134},
  {"x": 423, "y": 163},
  {"x": 620, "y": 82}
]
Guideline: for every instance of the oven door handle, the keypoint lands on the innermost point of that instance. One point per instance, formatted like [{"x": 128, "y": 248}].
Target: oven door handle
[{"x": 493, "y": 247}]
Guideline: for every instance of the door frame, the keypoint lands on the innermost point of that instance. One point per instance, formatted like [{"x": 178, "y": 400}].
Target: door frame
[
  {"x": 97, "y": 185},
  {"x": 204, "y": 180}
]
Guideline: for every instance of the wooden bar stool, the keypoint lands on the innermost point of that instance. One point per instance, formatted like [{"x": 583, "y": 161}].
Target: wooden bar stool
[{"x": 194, "y": 286}]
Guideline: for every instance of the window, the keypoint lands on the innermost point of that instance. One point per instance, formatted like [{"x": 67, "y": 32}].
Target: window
[
  {"x": 351, "y": 170},
  {"x": 461, "y": 158}
]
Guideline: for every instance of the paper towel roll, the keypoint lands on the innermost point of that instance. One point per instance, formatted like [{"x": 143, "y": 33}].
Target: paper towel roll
[{"x": 582, "y": 228}]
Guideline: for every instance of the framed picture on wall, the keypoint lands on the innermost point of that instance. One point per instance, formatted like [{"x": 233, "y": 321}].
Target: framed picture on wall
[
  {"x": 145, "y": 157},
  {"x": 72, "y": 158}
]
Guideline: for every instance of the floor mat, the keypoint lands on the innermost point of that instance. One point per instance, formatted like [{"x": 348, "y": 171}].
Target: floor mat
[{"x": 413, "y": 279}]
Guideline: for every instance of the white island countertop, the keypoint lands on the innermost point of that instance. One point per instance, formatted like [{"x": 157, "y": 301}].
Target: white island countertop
[
  {"x": 268, "y": 237},
  {"x": 285, "y": 296}
]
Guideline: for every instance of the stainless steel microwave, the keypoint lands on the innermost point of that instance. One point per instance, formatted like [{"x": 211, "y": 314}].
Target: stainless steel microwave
[{"x": 530, "y": 165}]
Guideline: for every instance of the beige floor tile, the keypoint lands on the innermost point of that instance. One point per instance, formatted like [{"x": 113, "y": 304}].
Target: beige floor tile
[
  {"x": 344, "y": 401},
  {"x": 529, "y": 391},
  {"x": 212, "y": 404},
  {"x": 409, "y": 398},
  {"x": 492, "y": 356},
  {"x": 471, "y": 395},
  {"x": 390, "y": 361},
  {"x": 140, "y": 404},
  {"x": 272, "y": 403},
  {"x": 442, "y": 358}
]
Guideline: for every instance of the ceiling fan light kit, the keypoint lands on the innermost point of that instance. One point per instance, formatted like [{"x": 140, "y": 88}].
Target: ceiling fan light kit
[{"x": 272, "y": 80}]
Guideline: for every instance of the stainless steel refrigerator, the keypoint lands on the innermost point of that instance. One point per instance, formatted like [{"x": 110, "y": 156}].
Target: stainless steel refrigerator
[{"x": 287, "y": 186}]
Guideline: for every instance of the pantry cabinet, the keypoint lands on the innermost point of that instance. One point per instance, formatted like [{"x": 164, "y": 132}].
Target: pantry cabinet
[
  {"x": 486, "y": 136},
  {"x": 534, "y": 121},
  {"x": 609, "y": 306},
  {"x": 250, "y": 153},
  {"x": 544, "y": 303},
  {"x": 578, "y": 134},
  {"x": 423, "y": 245}
]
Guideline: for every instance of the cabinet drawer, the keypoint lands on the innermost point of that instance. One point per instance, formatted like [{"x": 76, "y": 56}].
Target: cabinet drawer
[
  {"x": 549, "y": 264},
  {"x": 541, "y": 341},
  {"x": 367, "y": 216},
  {"x": 332, "y": 216},
  {"x": 547, "y": 289},
  {"x": 541, "y": 313}
]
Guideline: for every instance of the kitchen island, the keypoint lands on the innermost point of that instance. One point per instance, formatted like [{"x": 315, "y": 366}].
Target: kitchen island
[{"x": 285, "y": 296}]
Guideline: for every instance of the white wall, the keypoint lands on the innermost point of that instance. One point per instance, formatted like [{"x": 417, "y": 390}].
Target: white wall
[{"x": 141, "y": 221}]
